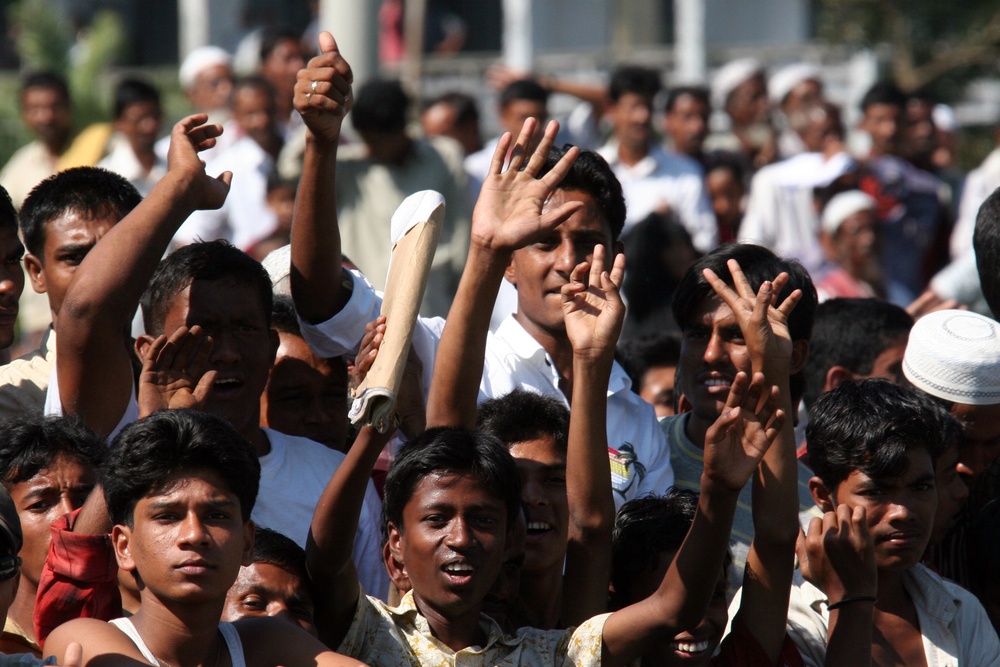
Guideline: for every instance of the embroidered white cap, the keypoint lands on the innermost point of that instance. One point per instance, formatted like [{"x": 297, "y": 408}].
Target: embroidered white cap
[
  {"x": 731, "y": 75},
  {"x": 199, "y": 60},
  {"x": 785, "y": 79},
  {"x": 955, "y": 355},
  {"x": 843, "y": 206}
]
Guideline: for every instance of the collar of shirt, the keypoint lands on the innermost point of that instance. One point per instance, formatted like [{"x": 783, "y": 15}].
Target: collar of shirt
[
  {"x": 407, "y": 614},
  {"x": 644, "y": 168}
]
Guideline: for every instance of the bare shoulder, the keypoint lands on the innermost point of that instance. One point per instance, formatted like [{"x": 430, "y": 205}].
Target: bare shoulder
[
  {"x": 271, "y": 641},
  {"x": 96, "y": 637}
]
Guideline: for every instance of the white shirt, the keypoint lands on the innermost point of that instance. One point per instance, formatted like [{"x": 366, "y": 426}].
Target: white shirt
[
  {"x": 245, "y": 217},
  {"x": 122, "y": 161},
  {"x": 640, "y": 457},
  {"x": 955, "y": 628},
  {"x": 666, "y": 179},
  {"x": 979, "y": 184}
]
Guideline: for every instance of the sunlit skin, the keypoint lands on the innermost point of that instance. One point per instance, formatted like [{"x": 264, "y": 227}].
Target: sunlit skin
[
  {"x": 263, "y": 589},
  {"x": 981, "y": 445},
  {"x": 632, "y": 117},
  {"x": 68, "y": 239},
  {"x": 726, "y": 193},
  {"x": 47, "y": 114},
  {"x": 211, "y": 88},
  {"x": 657, "y": 389},
  {"x": 542, "y": 467}
]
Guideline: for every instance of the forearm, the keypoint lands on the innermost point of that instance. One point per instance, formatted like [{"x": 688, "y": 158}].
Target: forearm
[
  {"x": 592, "y": 93},
  {"x": 461, "y": 354},
  {"x": 93, "y": 518},
  {"x": 849, "y": 635},
  {"x": 316, "y": 253},
  {"x": 775, "y": 501}
]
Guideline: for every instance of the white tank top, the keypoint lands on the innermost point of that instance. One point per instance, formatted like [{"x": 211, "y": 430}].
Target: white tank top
[{"x": 228, "y": 631}]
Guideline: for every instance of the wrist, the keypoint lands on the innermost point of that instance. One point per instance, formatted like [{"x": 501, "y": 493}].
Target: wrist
[
  {"x": 713, "y": 489},
  {"x": 322, "y": 145},
  {"x": 486, "y": 258}
]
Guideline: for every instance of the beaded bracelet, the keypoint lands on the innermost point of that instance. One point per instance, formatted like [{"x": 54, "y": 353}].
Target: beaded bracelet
[{"x": 856, "y": 598}]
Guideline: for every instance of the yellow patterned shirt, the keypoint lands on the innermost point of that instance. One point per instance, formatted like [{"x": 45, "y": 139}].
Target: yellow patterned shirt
[{"x": 382, "y": 636}]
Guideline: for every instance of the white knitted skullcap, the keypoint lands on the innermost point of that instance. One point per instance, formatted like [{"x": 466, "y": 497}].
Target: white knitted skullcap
[
  {"x": 945, "y": 118},
  {"x": 278, "y": 265},
  {"x": 199, "y": 60},
  {"x": 786, "y": 78},
  {"x": 955, "y": 355},
  {"x": 731, "y": 75},
  {"x": 843, "y": 206}
]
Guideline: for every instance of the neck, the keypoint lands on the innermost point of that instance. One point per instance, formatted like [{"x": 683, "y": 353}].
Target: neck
[
  {"x": 695, "y": 430},
  {"x": 146, "y": 158},
  {"x": 456, "y": 633},
  {"x": 257, "y": 438},
  {"x": 892, "y": 596},
  {"x": 22, "y": 609},
  {"x": 541, "y": 596},
  {"x": 630, "y": 153},
  {"x": 180, "y": 635},
  {"x": 558, "y": 347}
]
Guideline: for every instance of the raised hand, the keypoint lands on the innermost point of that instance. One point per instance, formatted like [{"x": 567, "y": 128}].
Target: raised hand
[
  {"x": 367, "y": 351},
  {"x": 592, "y": 307},
  {"x": 764, "y": 325},
  {"x": 323, "y": 93},
  {"x": 510, "y": 212},
  {"x": 189, "y": 137},
  {"x": 175, "y": 372},
  {"x": 838, "y": 555},
  {"x": 742, "y": 434}
]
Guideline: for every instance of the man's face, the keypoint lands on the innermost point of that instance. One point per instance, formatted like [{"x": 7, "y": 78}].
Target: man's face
[
  {"x": 46, "y": 113},
  {"x": 541, "y": 269},
  {"x": 211, "y": 88},
  {"x": 919, "y": 135},
  {"x": 857, "y": 242},
  {"x": 57, "y": 490},
  {"x": 900, "y": 510},
  {"x": 632, "y": 117},
  {"x": 11, "y": 282},
  {"x": 513, "y": 115},
  {"x": 542, "y": 468},
  {"x": 306, "y": 395},
  {"x": 141, "y": 122},
  {"x": 952, "y": 492},
  {"x": 243, "y": 345},
  {"x": 658, "y": 389},
  {"x": 725, "y": 192},
  {"x": 882, "y": 123},
  {"x": 263, "y": 589},
  {"x": 282, "y": 66},
  {"x": 452, "y": 543},
  {"x": 981, "y": 445},
  {"x": 253, "y": 111},
  {"x": 889, "y": 362},
  {"x": 68, "y": 239},
  {"x": 806, "y": 94},
  {"x": 748, "y": 104},
  {"x": 712, "y": 353},
  {"x": 187, "y": 539},
  {"x": 687, "y": 124}
]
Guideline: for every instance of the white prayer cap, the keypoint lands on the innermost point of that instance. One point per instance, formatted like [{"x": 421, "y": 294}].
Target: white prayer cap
[
  {"x": 278, "y": 265},
  {"x": 955, "y": 355},
  {"x": 786, "y": 78},
  {"x": 200, "y": 60},
  {"x": 944, "y": 118},
  {"x": 732, "y": 75},
  {"x": 843, "y": 206}
]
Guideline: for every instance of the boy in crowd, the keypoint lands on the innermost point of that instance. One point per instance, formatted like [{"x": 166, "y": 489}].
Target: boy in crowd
[
  {"x": 873, "y": 445},
  {"x": 531, "y": 348},
  {"x": 61, "y": 221},
  {"x": 11, "y": 274},
  {"x": 180, "y": 487},
  {"x": 138, "y": 119}
]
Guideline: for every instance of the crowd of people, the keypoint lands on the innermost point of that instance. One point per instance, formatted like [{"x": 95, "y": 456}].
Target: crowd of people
[{"x": 705, "y": 402}]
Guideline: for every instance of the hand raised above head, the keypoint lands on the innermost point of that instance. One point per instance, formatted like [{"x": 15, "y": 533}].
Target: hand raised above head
[
  {"x": 189, "y": 137},
  {"x": 510, "y": 212},
  {"x": 593, "y": 310},
  {"x": 323, "y": 94}
]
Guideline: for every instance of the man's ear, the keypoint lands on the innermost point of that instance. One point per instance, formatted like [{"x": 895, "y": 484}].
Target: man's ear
[
  {"x": 248, "y": 536},
  {"x": 821, "y": 495},
  {"x": 36, "y": 273},
  {"x": 509, "y": 272},
  {"x": 395, "y": 542},
  {"x": 800, "y": 352},
  {"x": 142, "y": 344},
  {"x": 120, "y": 538},
  {"x": 835, "y": 376}
]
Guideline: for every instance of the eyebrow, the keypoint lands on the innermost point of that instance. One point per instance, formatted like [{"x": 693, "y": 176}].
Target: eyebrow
[
  {"x": 75, "y": 247},
  {"x": 171, "y": 504}
]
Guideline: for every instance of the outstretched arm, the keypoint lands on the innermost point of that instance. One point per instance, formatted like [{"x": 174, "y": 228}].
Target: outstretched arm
[
  {"x": 767, "y": 578},
  {"x": 734, "y": 445},
  {"x": 323, "y": 97},
  {"x": 509, "y": 214},
  {"x": 593, "y": 312},
  {"x": 92, "y": 347}
]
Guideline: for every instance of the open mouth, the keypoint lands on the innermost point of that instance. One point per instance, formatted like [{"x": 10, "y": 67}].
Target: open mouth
[
  {"x": 225, "y": 386},
  {"x": 539, "y": 528},
  {"x": 690, "y": 648},
  {"x": 459, "y": 573}
]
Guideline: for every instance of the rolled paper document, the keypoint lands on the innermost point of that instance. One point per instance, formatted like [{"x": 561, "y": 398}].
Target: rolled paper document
[{"x": 416, "y": 227}]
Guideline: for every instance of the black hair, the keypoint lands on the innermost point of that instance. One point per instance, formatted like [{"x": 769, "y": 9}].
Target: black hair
[
  {"x": 870, "y": 425},
  {"x": 639, "y": 355},
  {"x": 883, "y": 92},
  {"x": 380, "y": 107},
  {"x": 133, "y": 91},
  {"x": 984, "y": 549},
  {"x": 273, "y": 548},
  {"x": 451, "y": 450},
  {"x": 700, "y": 93},
  {"x": 90, "y": 192},
  {"x": 47, "y": 79},
  {"x": 986, "y": 242},
  {"x": 205, "y": 260},
  {"x": 727, "y": 161},
  {"x": 644, "y": 528},
  {"x": 283, "y": 317},
  {"x": 523, "y": 89},
  {"x": 145, "y": 453},
  {"x": 30, "y": 442},
  {"x": 8, "y": 214},
  {"x": 651, "y": 280},
  {"x": 592, "y": 175},
  {"x": 252, "y": 82},
  {"x": 524, "y": 415},
  {"x": 273, "y": 36},
  {"x": 466, "y": 109},
  {"x": 851, "y": 333},
  {"x": 633, "y": 79}
]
